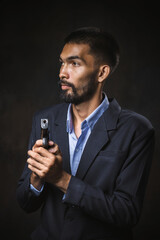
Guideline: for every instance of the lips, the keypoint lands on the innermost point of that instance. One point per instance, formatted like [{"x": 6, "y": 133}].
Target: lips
[{"x": 64, "y": 87}]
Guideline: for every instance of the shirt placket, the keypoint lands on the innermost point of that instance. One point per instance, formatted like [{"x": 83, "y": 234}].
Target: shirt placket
[{"x": 78, "y": 150}]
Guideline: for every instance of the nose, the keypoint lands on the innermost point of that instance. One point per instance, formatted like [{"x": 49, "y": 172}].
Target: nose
[{"x": 63, "y": 73}]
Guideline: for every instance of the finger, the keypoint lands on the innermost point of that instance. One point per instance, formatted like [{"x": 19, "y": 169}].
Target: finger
[
  {"x": 51, "y": 143},
  {"x": 55, "y": 150},
  {"x": 35, "y": 164},
  {"x": 36, "y": 171},
  {"x": 42, "y": 152},
  {"x": 36, "y": 156},
  {"x": 42, "y": 156},
  {"x": 39, "y": 143}
]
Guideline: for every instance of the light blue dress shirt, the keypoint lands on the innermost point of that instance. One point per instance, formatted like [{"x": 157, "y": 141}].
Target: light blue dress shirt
[{"x": 77, "y": 145}]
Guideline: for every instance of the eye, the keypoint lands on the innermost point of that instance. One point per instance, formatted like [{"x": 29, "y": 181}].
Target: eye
[
  {"x": 61, "y": 62},
  {"x": 76, "y": 64}
]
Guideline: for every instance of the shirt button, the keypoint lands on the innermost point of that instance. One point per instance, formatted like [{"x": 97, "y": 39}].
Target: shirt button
[{"x": 77, "y": 149}]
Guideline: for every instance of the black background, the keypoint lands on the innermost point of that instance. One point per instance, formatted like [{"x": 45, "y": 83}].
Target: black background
[{"x": 31, "y": 37}]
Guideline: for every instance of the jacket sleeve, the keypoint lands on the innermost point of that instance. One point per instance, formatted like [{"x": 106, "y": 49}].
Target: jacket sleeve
[
  {"x": 123, "y": 206},
  {"x": 25, "y": 196}
]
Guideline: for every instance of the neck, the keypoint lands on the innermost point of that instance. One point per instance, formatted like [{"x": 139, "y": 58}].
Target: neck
[{"x": 83, "y": 110}]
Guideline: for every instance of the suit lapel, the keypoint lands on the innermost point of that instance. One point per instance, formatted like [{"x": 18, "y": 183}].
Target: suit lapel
[
  {"x": 99, "y": 137},
  {"x": 60, "y": 136}
]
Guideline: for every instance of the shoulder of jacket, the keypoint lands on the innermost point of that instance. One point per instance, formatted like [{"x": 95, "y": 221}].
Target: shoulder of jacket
[{"x": 135, "y": 119}]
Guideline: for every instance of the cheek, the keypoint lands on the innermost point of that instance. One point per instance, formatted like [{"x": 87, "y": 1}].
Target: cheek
[
  {"x": 80, "y": 77},
  {"x": 77, "y": 77}
]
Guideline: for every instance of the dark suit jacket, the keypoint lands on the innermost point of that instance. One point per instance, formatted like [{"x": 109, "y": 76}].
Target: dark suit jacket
[{"x": 104, "y": 199}]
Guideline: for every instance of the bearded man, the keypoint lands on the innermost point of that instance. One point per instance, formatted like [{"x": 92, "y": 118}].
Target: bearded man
[{"x": 90, "y": 181}]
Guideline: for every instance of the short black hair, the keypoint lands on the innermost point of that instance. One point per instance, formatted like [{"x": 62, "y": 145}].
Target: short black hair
[{"x": 102, "y": 44}]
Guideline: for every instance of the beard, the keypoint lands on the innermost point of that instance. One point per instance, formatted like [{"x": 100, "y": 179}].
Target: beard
[{"x": 86, "y": 91}]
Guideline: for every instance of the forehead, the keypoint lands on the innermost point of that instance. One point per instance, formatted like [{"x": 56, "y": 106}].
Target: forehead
[{"x": 74, "y": 49}]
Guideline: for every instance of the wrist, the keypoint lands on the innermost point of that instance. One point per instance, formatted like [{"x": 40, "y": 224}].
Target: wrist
[
  {"x": 63, "y": 182},
  {"x": 36, "y": 181}
]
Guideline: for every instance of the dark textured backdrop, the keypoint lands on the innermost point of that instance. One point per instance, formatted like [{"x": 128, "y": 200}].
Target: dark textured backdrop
[{"x": 31, "y": 36}]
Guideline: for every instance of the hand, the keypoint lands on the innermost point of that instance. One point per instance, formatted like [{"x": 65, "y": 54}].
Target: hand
[{"x": 47, "y": 165}]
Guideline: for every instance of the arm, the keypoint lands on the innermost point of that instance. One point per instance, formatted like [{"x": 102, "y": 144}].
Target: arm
[
  {"x": 123, "y": 206},
  {"x": 25, "y": 196},
  {"x": 46, "y": 166},
  {"x": 43, "y": 166}
]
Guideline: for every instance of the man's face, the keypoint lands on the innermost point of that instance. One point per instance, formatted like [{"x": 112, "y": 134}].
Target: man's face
[{"x": 78, "y": 74}]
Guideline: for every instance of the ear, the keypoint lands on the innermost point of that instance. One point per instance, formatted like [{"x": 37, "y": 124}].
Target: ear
[{"x": 103, "y": 73}]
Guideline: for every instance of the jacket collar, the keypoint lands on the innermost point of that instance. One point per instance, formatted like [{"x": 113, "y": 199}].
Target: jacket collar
[
  {"x": 98, "y": 138},
  {"x": 111, "y": 116}
]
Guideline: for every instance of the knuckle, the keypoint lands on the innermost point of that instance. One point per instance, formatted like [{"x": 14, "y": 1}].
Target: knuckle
[
  {"x": 41, "y": 175},
  {"x": 52, "y": 158},
  {"x": 36, "y": 155},
  {"x": 29, "y": 161},
  {"x": 44, "y": 172},
  {"x": 50, "y": 164},
  {"x": 56, "y": 147},
  {"x": 30, "y": 167}
]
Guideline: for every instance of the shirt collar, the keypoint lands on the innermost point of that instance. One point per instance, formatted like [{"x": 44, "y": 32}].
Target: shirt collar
[{"x": 91, "y": 119}]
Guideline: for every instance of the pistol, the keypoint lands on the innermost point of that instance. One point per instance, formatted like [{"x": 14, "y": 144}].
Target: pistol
[{"x": 44, "y": 132}]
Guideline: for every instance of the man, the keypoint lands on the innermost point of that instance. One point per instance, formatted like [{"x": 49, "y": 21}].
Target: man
[{"x": 90, "y": 182}]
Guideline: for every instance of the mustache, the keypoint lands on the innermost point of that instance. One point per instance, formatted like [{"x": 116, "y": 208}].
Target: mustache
[{"x": 60, "y": 82}]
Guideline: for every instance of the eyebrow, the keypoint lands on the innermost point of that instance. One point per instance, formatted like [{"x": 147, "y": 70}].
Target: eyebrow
[{"x": 72, "y": 58}]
